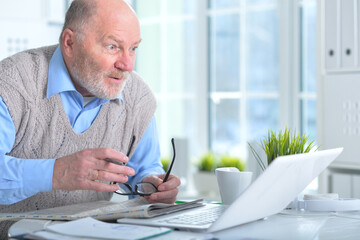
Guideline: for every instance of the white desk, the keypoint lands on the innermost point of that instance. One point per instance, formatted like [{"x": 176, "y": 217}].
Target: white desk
[{"x": 274, "y": 227}]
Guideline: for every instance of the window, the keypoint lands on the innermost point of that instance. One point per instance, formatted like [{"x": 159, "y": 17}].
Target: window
[
  {"x": 248, "y": 55},
  {"x": 248, "y": 50}
]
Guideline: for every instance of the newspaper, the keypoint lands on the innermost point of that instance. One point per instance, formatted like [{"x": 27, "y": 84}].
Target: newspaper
[{"x": 104, "y": 210}]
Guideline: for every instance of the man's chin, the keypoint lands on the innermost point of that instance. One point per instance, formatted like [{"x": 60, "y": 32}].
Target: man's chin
[
  {"x": 114, "y": 94},
  {"x": 110, "y": 97}
]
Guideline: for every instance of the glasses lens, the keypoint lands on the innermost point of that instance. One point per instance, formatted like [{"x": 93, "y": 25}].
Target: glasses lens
[
  {"x": 125, "y": 189},
  {"x": 145, "y": 188}
]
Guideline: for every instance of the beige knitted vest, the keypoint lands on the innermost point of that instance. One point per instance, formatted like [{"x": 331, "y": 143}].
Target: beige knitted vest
[{"x": 43, "y": 129}]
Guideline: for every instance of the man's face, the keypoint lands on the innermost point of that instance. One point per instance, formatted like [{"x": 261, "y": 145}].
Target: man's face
[{"x": 105, "y": 54}]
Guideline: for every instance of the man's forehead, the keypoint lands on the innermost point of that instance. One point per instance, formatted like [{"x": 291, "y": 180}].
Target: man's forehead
[
  {"x": 114, "y": 6},
  {"x": 116, "y": 18}
]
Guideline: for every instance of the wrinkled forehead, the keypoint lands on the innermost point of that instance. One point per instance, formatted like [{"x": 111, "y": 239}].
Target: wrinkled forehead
[{"x": 115, "y": 16}]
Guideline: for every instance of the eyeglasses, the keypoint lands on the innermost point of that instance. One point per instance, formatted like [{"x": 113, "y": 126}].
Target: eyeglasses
[{"x": 143, "y": 188}]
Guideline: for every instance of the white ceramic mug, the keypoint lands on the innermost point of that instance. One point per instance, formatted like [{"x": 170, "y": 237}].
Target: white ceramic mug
[{"x": 232, "y": 183}]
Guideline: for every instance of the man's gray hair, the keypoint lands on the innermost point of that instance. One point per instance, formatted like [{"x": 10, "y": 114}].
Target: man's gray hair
[{"x": 78, "y": 16}]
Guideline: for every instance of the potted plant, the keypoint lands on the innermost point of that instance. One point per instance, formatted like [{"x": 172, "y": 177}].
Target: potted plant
[
  {"x": 282, "y": 143},
  {"x": 207, "y": 162},
  {"x": 231, "y": 161}
]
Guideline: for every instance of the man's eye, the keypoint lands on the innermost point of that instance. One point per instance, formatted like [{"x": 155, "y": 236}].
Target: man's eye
[
  {"x": 111, "y": 47},
  {"x": 134, "y": 49}
]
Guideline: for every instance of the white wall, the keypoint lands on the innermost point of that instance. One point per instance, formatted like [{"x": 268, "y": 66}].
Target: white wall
[{"x": 29, "y": 24}]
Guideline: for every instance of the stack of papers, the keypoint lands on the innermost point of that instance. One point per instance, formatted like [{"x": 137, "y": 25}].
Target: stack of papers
[{"x": 89, "y": 228}]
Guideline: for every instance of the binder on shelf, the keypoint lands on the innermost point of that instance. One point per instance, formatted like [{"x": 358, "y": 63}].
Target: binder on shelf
[
  {"x": 332, "y": 49},
  {"x": 347, "y": 33}
]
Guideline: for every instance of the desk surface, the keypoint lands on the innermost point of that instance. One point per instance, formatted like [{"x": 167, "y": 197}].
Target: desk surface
[
  {"x": 287, "y": 227},
  {"x": 281, "y": 226}
]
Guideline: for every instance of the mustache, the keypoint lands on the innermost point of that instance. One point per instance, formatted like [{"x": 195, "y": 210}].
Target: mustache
[{"x": 118, "y": 74}]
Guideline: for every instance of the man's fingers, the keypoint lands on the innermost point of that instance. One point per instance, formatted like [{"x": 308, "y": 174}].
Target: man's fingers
[
  {"x": 103, "y": 153},
  {"x": 165, "y": 197},
  {"x": 112, "y": 177},
  {"x": 157, "y": 180},
  {"x": 167, "y": 190},
  {"x": 94, "y": 174},
  {"x": 114, "y": 168},
  {"x": 173, "y": 182},
  {"x": 82, "y": 169}
]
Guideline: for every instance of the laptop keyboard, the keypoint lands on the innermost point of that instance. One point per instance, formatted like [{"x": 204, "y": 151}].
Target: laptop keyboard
[{"x": 203, "y": 217}]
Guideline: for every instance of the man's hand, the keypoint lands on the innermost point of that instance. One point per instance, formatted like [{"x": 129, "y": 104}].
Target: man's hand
[
  {"x": 81, "y": 170},
  {"x": 167, "y": 190}
]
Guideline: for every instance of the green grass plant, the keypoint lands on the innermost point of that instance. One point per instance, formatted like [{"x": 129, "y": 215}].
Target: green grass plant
[{"x": 283, "y": 143}]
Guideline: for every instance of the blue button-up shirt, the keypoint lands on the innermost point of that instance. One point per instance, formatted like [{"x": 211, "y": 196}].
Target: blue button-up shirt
[{"x": 22, "y": 178}]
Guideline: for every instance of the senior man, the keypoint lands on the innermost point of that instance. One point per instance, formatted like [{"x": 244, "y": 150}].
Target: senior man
[{"x": 64, "y": 109}]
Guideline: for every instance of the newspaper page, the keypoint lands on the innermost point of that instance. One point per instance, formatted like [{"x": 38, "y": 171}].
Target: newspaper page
[{"x": 103, "y": 210}]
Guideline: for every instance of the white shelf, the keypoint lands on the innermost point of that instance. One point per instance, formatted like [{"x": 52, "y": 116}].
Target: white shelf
[{"x": 345, "y": 166}]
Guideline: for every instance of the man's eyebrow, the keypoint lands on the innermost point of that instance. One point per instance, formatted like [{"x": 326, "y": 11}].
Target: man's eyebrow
[
  {"x": 121, "y": 41},
  {"x": 138, "y": 42}
]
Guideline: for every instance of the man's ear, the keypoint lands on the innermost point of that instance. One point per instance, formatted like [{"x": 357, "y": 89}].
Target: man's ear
[{"x": 68, "y": 39}]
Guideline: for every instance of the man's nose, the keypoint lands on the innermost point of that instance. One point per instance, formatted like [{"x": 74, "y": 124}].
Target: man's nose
[{"x": 124, "y": 62}]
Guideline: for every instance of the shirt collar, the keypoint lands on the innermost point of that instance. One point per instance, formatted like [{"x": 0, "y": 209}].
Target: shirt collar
[{"x": 58, "y": 76}]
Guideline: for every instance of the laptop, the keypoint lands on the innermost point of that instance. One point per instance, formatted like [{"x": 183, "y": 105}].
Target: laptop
[{"x": 285, "y": 178}]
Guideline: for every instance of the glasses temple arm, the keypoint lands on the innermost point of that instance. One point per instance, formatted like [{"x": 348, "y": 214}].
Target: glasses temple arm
[
  {"x": 172, "y": 162},
  {"x": 131, "y": 145}
]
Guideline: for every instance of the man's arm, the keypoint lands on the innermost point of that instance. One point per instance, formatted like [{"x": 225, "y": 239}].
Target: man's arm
[{"x": 19, "y": 178}]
